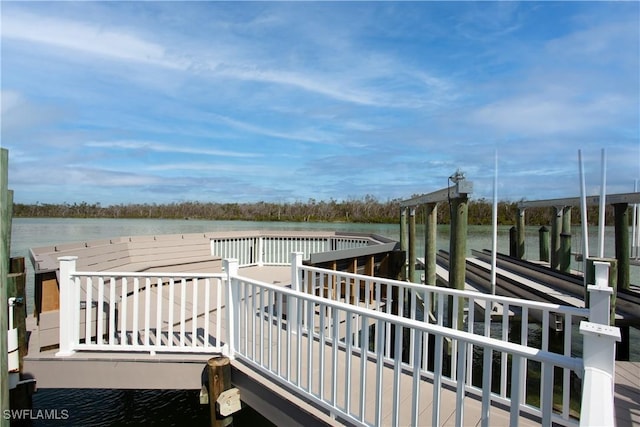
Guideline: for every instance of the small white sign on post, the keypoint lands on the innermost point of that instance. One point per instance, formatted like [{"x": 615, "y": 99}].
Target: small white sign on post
[
  {"x": 204, "y": 395},
  {"x": 228, "y": 402}
]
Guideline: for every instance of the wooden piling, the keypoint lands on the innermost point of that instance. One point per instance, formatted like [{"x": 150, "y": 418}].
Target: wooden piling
[
  {"x": 556, "y": 229},
  {"x": 412, "y": 244},
  {"x": 566, "y": 219},
  {"x": 403, "y": 237},
  {"x": 565, "y": 242},
  {"x": 219, "y": 380},
  {"x": 458, "y": 249},
  {"x": 621, "y": 232},
  {"x": 458, "y": 242},
  {"x": 520, "y": 229},
  {"x": 513, "y": 242},
  {"x": 431, "y": 228},
  {"x": 543, "y": 237},
  {"x": 564, "y": 261},
  {"x": 5, "y": 230}
]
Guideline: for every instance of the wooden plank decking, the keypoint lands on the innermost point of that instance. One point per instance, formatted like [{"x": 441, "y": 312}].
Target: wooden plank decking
[{"x": 627, "y": 394}]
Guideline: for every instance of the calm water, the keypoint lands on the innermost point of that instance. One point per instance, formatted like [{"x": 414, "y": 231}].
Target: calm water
[{"x": 136, "y": 407}]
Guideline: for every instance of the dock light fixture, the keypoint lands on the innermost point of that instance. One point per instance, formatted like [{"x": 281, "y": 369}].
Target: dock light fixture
[{"x": 462, "y": 185}]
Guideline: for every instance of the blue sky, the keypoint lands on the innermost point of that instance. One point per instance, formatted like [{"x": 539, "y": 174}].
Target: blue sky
[{"x": 159, "y": 102}]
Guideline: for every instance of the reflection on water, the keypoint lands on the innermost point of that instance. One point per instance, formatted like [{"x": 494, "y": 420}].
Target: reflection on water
[{"x": 87, "y": 407}]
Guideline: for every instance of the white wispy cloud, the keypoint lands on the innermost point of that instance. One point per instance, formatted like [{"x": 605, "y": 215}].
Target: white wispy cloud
[
  {"x": 490, "y": 21},
  {"x": 166, "y": 148},
  {"x": 20, "y": 115},
  {"x": 238, "y": 169},
  {"x": 599, "y": 42},
  {"x": 86, "y": 38},
  {"x": 575, "y": 85},
  {"x": 307, "y": 135},
  {"x": 10, "y": 100},
  {"x": 351, "y": 82},
  {"x": 547, "y": 114}
]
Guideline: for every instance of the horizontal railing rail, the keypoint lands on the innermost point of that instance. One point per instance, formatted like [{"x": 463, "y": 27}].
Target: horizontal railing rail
[{"x": 136, "y": 311}]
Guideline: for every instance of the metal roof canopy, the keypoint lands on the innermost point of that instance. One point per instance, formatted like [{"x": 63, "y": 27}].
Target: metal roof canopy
[{"x": 610, "y": 199}]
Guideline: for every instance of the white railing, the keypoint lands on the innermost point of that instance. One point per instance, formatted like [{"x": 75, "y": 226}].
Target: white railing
[
  {"x": 323, "y": 341},
  {"x": 527, "y": 323},
  {"x": 150, "y": 312},
  {"x": 341, "y": 338},
  {"x": 276, "y": 250}
]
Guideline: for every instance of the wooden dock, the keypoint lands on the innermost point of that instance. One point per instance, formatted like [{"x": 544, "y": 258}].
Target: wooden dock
[
  {"x": 296, "y": 364},
  {"x": 126, "y": 370},
  {"x": 183, "y": 371}
]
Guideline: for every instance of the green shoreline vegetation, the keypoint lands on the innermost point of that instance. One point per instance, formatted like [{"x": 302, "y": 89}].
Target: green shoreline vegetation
[{"x": 365, "y": 210}]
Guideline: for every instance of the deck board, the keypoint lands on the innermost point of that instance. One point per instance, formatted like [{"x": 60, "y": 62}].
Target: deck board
[{"x": 627, "y": 394}]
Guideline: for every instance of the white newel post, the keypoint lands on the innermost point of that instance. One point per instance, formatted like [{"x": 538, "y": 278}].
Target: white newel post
[
  {"x": 296, "y": 285},
  {"x": 13, "y": 358},
  {"x": 598, "y": 354},
  {"x": 231, "y": 268},
  {"x": 260, "y": 252},
  {"x": 67, "y": 307}
]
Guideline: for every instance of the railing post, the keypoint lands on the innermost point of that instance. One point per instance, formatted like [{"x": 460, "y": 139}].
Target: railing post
[
  {"x": 68, "y": 306},
  {"x": 260, "y": 251},
  {"x": 599, "y": 354},
  {"x": 599, "y": 374},
  {"x": 231, "y": 268},
  {"x": 296, "y": 285}
]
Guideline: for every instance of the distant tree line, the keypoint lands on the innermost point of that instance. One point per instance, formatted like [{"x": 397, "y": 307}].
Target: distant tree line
[{"x": 365, "y": 210}]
